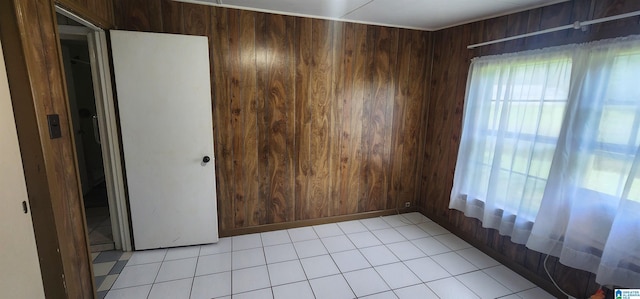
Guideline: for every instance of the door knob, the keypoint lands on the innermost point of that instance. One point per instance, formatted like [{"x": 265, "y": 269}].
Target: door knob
[{"x": 206, "y": 159}]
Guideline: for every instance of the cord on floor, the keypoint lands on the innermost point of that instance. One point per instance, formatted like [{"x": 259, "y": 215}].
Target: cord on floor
[{"x": 553, "y": 280}]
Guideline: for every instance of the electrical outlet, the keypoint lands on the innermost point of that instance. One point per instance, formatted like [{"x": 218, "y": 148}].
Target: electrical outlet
[{"x": 407, "y": 204}]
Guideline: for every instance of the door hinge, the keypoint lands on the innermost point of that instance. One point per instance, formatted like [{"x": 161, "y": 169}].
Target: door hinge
[{"x": 24, "y": 207}]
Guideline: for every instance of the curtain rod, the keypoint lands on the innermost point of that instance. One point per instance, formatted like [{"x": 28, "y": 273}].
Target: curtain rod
[{"x": 575, "y": 25}]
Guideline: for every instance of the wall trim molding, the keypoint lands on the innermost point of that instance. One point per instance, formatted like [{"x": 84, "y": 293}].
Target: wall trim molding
[{"x": 310, "y": 222}]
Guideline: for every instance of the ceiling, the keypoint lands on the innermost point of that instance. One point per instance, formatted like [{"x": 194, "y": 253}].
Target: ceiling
[{"x": 414, "y": 14}]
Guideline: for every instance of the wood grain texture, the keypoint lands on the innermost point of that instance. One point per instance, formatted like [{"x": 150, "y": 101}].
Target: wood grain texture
[
  {"x": 367, "y": 127},
  {"x": 415, "y": 137},
  {"x": 28, "y": 32},
  {"x": 335, "y": 118},
  {"x": 407, "y": 117},
  {"x": 172, "y": 16},
  {"x": 351, "y": 95},
  {"x": 306, "y": 115},
  {"x": 438, "y": 128},
  {"x": 222, "y": 119},
  {"x": 237, "y": 116},
  {"x": 376, "y": 132},
  {"x": 310, "y": 116},
  {"x": 249, "y": 103},
  {"x": 397, "y": 139},
  {"x": 379, "y": 71},
  {"x": 280, "y": 104},
  {"x": 196, "y": 20},
  {"x": 98, "y": 12},
  {"x": 390, "y": 110},
  {"x": 320, "y": 98},
  {"x": 137, "y": 16},
  {"x": 260, "y": 204},
  {"x": 444, "y": 121},
  {"x": 302, "y": 154}
]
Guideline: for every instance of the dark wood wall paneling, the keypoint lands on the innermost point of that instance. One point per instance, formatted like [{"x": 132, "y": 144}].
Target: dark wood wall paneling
[
  {"x": 317, "y": 118},
  {"x": 450, "y": 68},
  {"x": 36, "y": 80},
  {"x": 312, "y": 118},
  {"x": 98, "y": 12}
]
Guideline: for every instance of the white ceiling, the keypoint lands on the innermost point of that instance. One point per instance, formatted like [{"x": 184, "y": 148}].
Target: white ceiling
[{"x": 414, "y": 14}]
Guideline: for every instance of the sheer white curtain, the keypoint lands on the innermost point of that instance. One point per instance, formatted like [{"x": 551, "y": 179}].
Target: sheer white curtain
[
  {"x": 573, "y": 188},
  {"x": 512, "y": 118},
  {"x": 590, "y": 212}
]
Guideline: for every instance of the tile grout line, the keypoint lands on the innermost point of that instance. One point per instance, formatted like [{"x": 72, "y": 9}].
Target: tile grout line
[
  {"x": 358, "y": 250},
  {"x": 330, "y": 254},
  {"x": 400, "y": 260},
  {"x": 300, "y": 261},
  {"x": 231, "y": 271},
  {"x": 195, "y": 270},
  {"x": 410, "y": 242},
  {"x": 266, "y": 266},
  {"x": 298, "y": 258},
  {"x": 334, "y": 262},
  {"x": 157, "y": 273},
  {"x": 116, "y": 278}
]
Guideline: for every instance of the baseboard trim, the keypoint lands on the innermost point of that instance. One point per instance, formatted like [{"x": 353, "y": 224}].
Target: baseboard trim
[
  {"x": 310, "y": 222},
  {"x": 526, "y": 273}
]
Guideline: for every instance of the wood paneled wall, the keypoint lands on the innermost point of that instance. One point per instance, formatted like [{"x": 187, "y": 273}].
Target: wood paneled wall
[
  {"x": 98, "y": 12},
  {"x": 312, "y": 118},
  {"x": 36, "y": 81},
  {"x": 450, "y": 67}
]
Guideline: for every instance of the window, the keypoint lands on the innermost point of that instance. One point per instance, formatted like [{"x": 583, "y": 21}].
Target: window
[
  {"x": 514, "y": 111},
  {"x": 613, "y": 151},
  {"x": 550, "y": 154}
]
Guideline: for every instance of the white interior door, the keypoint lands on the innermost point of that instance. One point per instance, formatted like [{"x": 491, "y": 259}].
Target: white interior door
[{"x": 164, "y": 102}]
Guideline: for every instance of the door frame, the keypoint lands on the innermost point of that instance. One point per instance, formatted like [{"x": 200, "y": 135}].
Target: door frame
[{"x": 107, "y": 122}]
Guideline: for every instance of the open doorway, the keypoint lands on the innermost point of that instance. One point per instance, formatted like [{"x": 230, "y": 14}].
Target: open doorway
[
  {"x": 82, "y": 103},
  {"x": 93, "y": 115}
]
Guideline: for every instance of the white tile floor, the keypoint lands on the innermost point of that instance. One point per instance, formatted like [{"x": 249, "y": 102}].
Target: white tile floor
[{"x": 400, "y": 256}]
